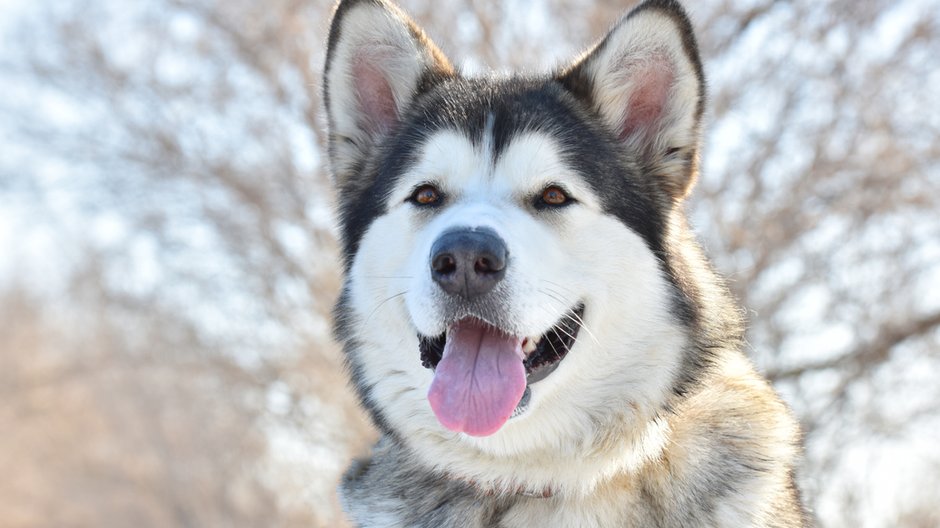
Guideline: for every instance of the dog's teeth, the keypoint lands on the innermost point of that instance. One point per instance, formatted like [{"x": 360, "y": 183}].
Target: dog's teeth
[{"x": 528, "y": 345}]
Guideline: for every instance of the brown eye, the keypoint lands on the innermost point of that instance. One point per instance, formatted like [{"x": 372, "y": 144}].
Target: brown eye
[
  {"x": 426, "y": 195},
  {"x": 554, "y": 195}
]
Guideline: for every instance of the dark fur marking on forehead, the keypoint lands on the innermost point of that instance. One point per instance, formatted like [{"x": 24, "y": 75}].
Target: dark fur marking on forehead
[
  {"x": 520, "y": 105},
  {"x": 516, "y": 106}
]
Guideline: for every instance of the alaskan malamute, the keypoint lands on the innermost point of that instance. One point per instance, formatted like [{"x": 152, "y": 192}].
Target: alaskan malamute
[{"x": 526, "y": 313}]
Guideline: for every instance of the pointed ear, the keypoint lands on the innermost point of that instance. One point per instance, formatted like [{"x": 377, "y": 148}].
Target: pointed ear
[
  {"x": 645, "y": 80},
  {"x": 377, "y": 61}
]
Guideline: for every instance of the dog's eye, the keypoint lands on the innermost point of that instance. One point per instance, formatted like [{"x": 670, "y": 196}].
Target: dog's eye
[
  {"x": 426, "y": 194},
  {"x": 553, "y": 196}
]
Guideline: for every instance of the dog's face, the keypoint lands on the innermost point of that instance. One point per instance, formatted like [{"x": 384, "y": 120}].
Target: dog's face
[
  {"x": 488, "y": 268},
  {"x": 507, "y": 285}
]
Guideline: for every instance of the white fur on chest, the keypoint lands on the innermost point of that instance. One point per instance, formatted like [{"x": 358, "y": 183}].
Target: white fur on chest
[
  {"x": 628, "y": 508},
  {"x": 591, "y": 512}
]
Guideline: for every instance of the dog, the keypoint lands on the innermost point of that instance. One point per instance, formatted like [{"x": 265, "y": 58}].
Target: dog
[{"x": 526, "y": 313}]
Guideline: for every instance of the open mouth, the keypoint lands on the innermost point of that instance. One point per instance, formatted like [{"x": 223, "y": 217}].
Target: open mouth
[
  {"x": 482, "y": 375},
  {"x": 543, "y": 354}
]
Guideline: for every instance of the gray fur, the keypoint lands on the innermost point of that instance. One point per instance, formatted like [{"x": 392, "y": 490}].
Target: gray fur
[{"x": 394, "y": 484}]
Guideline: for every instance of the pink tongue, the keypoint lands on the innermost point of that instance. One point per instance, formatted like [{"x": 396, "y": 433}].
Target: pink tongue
[{"x": 480, "y": 379}]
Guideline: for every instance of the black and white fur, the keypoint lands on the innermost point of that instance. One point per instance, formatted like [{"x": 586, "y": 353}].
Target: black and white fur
[{"x": 654, "y": 417}]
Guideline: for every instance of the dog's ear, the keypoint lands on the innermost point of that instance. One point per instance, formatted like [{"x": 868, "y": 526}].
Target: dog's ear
[
  {"x": 645, "y": 79},
  {"x": 377, "y": 61}
]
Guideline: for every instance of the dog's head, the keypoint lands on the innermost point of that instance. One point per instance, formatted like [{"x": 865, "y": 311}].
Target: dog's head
[{"x": 507, "y": 240}]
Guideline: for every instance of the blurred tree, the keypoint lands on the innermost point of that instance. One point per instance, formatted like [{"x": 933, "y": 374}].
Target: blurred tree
[
  {"x": 106, "y": 427},
  {"x": 166, "y": 357}
]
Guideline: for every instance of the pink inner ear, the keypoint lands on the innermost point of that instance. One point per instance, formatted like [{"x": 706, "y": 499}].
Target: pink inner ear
[
  {"x": 378, "y": 112},
  {"x": 652, "y": 81}
]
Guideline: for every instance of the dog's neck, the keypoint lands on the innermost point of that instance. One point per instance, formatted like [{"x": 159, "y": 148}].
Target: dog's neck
[
  {"x": 503, "y": 491},
  {"x": 623, "y": 450}
]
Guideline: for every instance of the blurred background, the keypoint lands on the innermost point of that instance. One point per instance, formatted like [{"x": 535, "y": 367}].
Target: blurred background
[{"x": 168, "y": 257}]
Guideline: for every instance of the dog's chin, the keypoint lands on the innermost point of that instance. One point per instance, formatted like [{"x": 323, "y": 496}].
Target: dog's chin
[{"x": 543, "y": 352}]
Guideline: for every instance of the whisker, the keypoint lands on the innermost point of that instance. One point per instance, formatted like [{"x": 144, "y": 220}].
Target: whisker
[
  {"x": 580, "y": 322},
  {"x": 557, "y": 315},
  {"x": 563, "y": 287},
  {"x": 569, "y": 336},
  {"x": 382, "y": 304},
  {"x": 570, "y": 315},
  {"x": 555, "y": 350}
]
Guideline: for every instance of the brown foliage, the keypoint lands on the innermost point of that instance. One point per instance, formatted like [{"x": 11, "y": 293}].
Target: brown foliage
[{"x": 164, "y": 343}]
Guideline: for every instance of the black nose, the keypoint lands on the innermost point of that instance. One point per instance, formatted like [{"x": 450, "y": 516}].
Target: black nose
[{"x": 468, "y": 262}]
